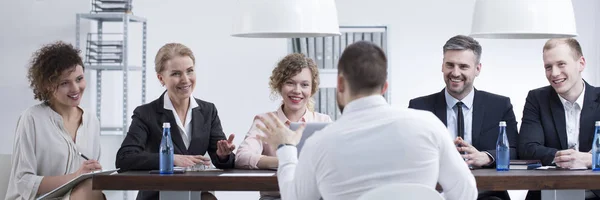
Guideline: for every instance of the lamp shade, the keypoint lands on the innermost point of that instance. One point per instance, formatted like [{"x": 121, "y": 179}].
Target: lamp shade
[
  {"x": 523, "y": 19},
  {"x": 286, "y": 19}
]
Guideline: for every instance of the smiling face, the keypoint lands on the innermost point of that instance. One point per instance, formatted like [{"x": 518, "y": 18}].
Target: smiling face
[
  {"x": 70, "y": 88},
  {"x": 460, "y": 68},
  {"x": 563, "y": 69},
  {"x": 178, "y": 77},
  {"x": 297, "y": 90},
  {"x": 296, "y": 80}
]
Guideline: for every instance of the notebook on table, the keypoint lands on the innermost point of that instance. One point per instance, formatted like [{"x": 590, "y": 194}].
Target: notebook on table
[
  {"x": 63, "y": 189},
  {"x": 525, "y": 164}
]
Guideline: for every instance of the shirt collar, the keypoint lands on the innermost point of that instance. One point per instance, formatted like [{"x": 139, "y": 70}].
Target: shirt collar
[
  {"x": 578, "y": 101},
  {"x": 364, "y": 103},
  {"x": 307, "y": 117},
  {"x": 468, "y": 100},
  {"x": 169, "y": 104}
]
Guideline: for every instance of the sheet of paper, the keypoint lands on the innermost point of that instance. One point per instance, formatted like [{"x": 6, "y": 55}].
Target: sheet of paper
[
  {"x": 247, "y": 174},
  {"x": 554, "y": 167},
  {"x": 545, "y": 167}
]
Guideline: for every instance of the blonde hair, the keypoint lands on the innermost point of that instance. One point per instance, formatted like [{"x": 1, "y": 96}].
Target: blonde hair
[
  {"x": 168, "y": 52},
  {"x": 290, "y": 66},
  {"x": 571, "y": 42}
]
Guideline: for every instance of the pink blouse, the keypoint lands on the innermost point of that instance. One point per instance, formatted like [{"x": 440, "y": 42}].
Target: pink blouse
[{"x": 252, "y": 149}]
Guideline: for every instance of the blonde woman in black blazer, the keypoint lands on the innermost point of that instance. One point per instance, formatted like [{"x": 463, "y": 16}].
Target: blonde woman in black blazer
[{"x": 195, "y": 125}]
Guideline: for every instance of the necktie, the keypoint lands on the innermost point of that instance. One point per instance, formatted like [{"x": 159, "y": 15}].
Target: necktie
[{"x": 460, "y": 122}]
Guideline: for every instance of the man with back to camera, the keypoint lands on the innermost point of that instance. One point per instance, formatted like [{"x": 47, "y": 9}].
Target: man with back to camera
[
  {"x": 559, "y": 119},
  {"x": 472, "y": 116},
  {"x": 367, "y": 146}
]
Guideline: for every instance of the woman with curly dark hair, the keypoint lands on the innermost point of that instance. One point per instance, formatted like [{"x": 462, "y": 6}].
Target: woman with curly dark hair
[
  {"x": 50, "y": 135},
  {"x": 295, "y": 80}
]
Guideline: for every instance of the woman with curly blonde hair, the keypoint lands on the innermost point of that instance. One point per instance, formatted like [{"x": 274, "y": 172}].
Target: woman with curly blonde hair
[
  {"x": 50, "y": 135},
  {"x": 295, "y": 80}
]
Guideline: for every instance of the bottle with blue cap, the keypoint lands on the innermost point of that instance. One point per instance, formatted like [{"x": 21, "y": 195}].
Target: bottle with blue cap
[
  {"x": 166, "y": 150},
  {"x": 596, "y": 148},
  {"x": 502, "y": 149}
]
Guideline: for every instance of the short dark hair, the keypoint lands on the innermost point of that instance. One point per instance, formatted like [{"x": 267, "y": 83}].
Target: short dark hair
[
  {"x": 462, "y": 42},
  {"x": 46, "y": 66},
  {"x": 364, "y": 65}
]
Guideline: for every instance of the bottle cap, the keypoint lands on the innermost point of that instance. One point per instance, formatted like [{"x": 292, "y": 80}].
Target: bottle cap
[
  {"x": 166, "y": 125},
  {"x": 502, "y": 123},
  {"x": 597, "y": 123}
]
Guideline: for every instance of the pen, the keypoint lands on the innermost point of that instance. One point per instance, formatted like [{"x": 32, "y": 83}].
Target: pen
[{"x": 83, "y": 156}]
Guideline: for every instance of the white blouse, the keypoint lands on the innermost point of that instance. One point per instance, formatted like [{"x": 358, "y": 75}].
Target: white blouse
[{"x": 43, "y": 147}]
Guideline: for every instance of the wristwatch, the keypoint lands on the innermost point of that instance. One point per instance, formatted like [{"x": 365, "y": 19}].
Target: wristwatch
[{"x": 282, "y": 145}]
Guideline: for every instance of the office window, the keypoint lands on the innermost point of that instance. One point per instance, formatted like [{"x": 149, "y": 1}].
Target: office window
[{"x": 326, "y": 51}]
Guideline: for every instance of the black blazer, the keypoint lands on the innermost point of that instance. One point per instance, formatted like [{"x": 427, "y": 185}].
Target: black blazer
[
  {"x": 139, "y": 150},
  {"x": 543, "y": 128},
  {"x": 488, "y": 110}
]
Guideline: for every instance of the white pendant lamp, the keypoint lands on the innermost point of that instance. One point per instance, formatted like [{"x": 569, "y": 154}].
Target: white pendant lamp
[
  {"x": 523, "y": 19},
  {"x": 286, "y": 19}
]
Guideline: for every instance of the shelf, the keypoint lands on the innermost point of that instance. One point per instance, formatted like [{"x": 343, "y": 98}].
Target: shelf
[
  {"x": 107, "y": 51},
  {"x": 112, "y": 1},
  {"x": 111, "y": 129},
  {"x": 111, "y": 17},
  {"x": 107, "y": 43},
  {"x": 105, "y": 57},
  {"x": 112, "y": 67}
]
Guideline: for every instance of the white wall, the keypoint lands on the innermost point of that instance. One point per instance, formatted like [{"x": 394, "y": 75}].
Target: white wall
[
  {"x": 25, "y": 25},
  {"x": 233, "y": 72}
]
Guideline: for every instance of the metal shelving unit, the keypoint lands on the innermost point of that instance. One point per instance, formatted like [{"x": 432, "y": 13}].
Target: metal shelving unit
[
  {"x": 111, "y": 55},
  {"x": 122, "y": 6}
]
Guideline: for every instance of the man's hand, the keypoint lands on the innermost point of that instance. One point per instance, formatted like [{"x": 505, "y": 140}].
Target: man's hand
[
  {"x": 225, "y": 147},
  {"x": 572, "y": 159},
  {"x": 277, "y": 133},
  {"x": 473, "y": 156},
  {"x": 188, "y": 161}
]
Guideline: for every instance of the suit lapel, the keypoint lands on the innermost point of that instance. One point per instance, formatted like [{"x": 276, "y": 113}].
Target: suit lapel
[
  {"x": 197, "y": 143},
  {"x": 440, "y": 107},
  {"x": 477, "y": 117},
  {"x": 588, "y": 115},
  {"x": 558, "y": 115},
  {"x": 167, "y": 116}
]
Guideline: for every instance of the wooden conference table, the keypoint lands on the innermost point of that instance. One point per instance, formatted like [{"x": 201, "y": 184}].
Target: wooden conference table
[{"x": 555, "y": 184}]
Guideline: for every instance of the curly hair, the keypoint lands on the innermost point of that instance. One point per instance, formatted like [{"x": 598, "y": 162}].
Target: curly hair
[
  {"x": 46, "y": 66},
  {"x": 168, "y": 52},
  {"x": 290, "y": 66}
]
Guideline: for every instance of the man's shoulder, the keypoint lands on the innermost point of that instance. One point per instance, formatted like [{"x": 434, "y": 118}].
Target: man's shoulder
[
  {"x": 423, "y": 102},
  {"x": 492, "y": 96},
  {"x": 541, "y": 90},
  {"x": 426, "y": 98}
]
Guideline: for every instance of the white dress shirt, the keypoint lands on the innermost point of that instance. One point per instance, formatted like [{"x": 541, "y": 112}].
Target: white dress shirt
[
  {"x": 372, "y": 145},
  {"x": 572, "y": 116},
  {"x": 452, "y": 115},
  {"x": 184, "y": 130}
]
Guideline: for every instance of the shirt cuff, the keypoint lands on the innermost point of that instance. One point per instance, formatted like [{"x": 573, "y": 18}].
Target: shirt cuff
[
  {"x": 491, "y": 158},
  {"x": 247, "y": 160},
  {"x": 287, "y": 154}
]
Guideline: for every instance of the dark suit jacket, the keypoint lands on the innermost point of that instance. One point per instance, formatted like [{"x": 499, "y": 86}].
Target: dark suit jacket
[
  {"x": 488, "y": 110},
  {"x": 543, "y": 130},
  {"x": 139, "y": 150}
]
